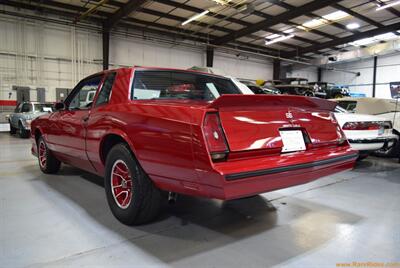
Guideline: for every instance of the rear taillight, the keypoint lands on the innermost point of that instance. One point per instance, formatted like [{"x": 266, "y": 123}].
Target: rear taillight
[
  {"x": 387, "y": 125},
  {"x": 215, "y": 137},
  {"x": 362, "y": 126}
]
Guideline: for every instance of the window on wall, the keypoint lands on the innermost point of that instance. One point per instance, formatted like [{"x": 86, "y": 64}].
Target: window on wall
[{"x": 105, "y": 92}]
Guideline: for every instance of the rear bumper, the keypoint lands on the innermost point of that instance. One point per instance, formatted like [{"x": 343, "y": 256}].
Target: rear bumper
[
  {"x": 242, "y": 184},
  {"x": 247, "y": 177},
  {"x": 318, "y": 163},
  {"x": 372, "y": 144}
]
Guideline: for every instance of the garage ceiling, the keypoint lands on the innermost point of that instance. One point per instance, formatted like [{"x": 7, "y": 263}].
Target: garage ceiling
[{"x": 306, "y": 28}]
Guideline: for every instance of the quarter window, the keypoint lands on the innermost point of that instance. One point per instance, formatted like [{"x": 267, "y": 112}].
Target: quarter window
[{"x": 105, "y": 92}]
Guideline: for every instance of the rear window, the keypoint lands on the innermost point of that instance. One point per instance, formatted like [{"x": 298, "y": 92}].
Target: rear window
[
  {"x": 348, "y": 105},
  {"x": 180, "y": 85}
]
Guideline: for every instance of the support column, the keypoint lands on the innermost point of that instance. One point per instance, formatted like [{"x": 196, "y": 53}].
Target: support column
[
  {"x": 374, "y": 76},
  {"x": 319, "y": 74},
  {"x": 276, "y": 74},
  {"x": 106, "y": 48},
  {"x": 210, "y": 57}
]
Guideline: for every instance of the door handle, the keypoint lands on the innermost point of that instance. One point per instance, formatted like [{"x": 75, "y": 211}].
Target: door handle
[{"x": 85, "y": 118}]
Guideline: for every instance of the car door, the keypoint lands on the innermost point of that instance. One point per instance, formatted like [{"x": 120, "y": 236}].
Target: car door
[{"x": 69, "y": 132}]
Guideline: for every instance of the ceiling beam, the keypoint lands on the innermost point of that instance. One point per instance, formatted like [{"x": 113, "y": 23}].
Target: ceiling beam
[
  {"x": 128, "y": 8},
  {"x": 282, "y": 18},
  {"x": 345, "y": 40},
  {"x": 173, "y": 32}
]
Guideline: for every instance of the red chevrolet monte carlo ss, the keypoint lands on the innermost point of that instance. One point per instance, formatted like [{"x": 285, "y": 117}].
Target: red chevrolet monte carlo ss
[{"x": 149, "y": 130}]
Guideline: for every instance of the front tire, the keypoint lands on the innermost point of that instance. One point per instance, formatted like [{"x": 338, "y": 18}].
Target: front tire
[
  {"x": 131, "y": 195},
  {"x": 47, "y": 162},
  {"x": 13, "y": 130},
  {"x": 22, "y": 132}
]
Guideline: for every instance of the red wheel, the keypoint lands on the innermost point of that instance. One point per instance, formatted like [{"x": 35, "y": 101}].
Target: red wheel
[
  {"x": 131, "y": 195},
  {"x": 42, "y": 154},
  {"x": 47, "y": 162},
  {"x": 121, "y": 184}
]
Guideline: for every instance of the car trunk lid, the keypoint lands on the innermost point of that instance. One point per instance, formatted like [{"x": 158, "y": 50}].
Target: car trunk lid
[{"x": 254, "y": 122}]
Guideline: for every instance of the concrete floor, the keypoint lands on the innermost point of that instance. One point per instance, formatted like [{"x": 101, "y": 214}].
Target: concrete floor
[{"x": 64, "y": 220}]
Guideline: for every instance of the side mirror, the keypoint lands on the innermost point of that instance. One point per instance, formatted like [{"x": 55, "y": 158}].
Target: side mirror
[{"x": 59, "y": 106}]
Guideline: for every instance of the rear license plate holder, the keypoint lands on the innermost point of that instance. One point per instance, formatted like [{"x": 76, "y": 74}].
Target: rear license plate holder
[{"x": 292, "y": 140}]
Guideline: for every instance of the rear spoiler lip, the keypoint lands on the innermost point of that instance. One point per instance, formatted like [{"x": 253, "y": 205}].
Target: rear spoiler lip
[{"x": 240, "y": 100}]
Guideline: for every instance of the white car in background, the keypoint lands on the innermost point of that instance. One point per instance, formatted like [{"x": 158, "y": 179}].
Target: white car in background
[
  {"x": 389, "y": 109},
  {"x": 366, "y": 133}
]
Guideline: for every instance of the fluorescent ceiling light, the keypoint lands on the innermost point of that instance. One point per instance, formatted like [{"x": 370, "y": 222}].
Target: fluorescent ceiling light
[
  {"x": 334, "y": 16},
  {"x": 352, "y": 26},
  {"x": 291, "y": 30},
  {"x": 222, "y": 2},
  {"x": 195, "y": 17},
  {"x": 393, "y": 3},
  {"x": 385, "y": 36},
  {"x": 363, "y": 42},
  {"x": 337, "y": 15},
  {"x": 279, "y": 39},
  {"x": 273, "y": 36}
]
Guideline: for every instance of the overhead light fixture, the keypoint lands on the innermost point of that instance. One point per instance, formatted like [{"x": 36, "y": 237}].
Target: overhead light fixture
[
  {"x": 334, "y": 16},
  {"x": 222, "y": 2},
  {"x": 384, "y": 6},
  {"x": 279, "y": 39},
  {"x": 291, "y": 30},
  {"x": 352, "y": 26},
  {"x": 195, "y": 17},
  {"x": 273, "y": 36}
]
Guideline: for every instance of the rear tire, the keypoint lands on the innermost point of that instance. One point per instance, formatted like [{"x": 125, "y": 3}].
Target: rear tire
[
  {"x": 22, "y": 132},
  {"x": 131, "y": 195},
  {"x": 47, "y": 162},
  {"x": 309, "y": 94}
]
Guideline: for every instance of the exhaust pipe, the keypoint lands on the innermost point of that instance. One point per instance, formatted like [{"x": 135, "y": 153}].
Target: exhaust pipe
[{"x": 172, "y": 198}]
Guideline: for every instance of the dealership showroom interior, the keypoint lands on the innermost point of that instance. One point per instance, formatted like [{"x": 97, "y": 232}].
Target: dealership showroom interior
[{"x": 199, "y": 133}]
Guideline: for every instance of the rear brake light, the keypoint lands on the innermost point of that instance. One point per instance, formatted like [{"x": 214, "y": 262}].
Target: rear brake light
[
  {"x": 215, "y": 137},
  {"x": 362, "y": 126}
]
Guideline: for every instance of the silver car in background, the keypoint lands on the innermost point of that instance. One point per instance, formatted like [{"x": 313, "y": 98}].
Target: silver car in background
[{"x": 24, "y": 113}]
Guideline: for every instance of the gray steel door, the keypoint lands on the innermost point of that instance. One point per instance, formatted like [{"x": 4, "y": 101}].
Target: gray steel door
[
  {"x": 22, "y": 94},
  {"x": 62, "y": 94},
  {"x": 41, "y": 94}
]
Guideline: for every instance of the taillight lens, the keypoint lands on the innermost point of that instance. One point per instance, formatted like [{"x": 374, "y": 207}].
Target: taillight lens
[
  {"x": 362, "y": 126},
  {"x": 215, "y": 137}
]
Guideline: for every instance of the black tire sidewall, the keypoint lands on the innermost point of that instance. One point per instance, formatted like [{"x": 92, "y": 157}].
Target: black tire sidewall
[{"x": 127, "y": 215}]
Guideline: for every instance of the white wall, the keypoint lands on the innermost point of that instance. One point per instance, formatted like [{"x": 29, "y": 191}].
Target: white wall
[
  {"x": 388, "y": 70},
  {"x": 38, "y": 54},
  {"x": 304, "y": 71}
]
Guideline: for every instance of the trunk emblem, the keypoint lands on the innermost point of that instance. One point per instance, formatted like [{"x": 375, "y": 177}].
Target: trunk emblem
[{"x": 289, "y": 115}]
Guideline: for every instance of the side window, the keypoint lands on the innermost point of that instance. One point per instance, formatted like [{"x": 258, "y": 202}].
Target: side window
[
  {"x": 26, "y": 108},
  {"x": 105, "y": 91},
  {"x": 83, "y": 95}
]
